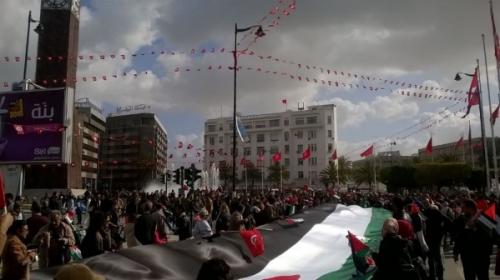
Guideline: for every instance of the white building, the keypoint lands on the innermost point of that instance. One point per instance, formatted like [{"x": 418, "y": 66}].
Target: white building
[{"x": 289, "y": 132}]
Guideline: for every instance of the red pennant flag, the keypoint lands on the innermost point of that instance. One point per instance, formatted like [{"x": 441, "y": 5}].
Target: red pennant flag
[
  {"x": 180, "y": 145},
  {"x": 189, "y": 147},
  {"x": 284, "y": 101},
  {"x": 334, "y": 155},
  {"x": 495, "y": 35},
  {"x": 261, "y": 156},
  {"x": 185, "y": 156},
  {"x": 494, "y": 115},
  {"x": 473, "y": 94},
  {"x": 171, "y": 156},
  {"x": 277, "y": 157},
  {"x": 459, "y": 143},
  {"x": 428, "y": 148},
  {"x": 368, "y": 152},
  {"x": 254, "y": 241},
  {"x": 306, "y": 154},
  {"x": 243, "y": 161}
]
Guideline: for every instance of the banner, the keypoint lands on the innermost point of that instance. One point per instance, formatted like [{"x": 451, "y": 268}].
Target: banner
[{"x": 32, "y": 126}]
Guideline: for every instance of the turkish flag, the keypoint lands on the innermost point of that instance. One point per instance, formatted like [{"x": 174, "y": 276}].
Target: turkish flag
[
  {"x": 243, "y": 161},
  {"x": 334, "y": 155},
  {"x": 368, "y": 152},
  {"x": 189, "y": 147},
  {"x": 180, "y": 145},
  {"x": 277, "y": 157},
  {"x": 306, "y": 154},
  {"x": 494, "y": 115},
  {"x": 254, "y": 241},
  {"x": 428, "y": 148},
  {"x": 284, "y": 101},
  {"x": 288, "y": 277},
  {"x": 459, "y": 143}
]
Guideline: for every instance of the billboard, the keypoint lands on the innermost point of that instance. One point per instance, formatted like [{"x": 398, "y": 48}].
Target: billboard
[{"x": 32, "y": 126}]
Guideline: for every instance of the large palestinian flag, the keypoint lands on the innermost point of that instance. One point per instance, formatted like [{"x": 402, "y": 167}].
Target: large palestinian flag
[{"x": 316, "y": 247}]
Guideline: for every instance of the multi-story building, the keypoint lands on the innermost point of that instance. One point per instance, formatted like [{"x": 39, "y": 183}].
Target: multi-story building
[
  {"x": 289, "y": 132},
  {"x": 90, "y": 127},
  {"x": 471, "y": 154},
  {"x": 134, "y": 151},
  {"x": 385, "y": 159}
]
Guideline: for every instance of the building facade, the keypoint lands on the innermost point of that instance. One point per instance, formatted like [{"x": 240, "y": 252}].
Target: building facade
[
  {"x": 90, "y": 126},
  {"x": 134, "y": 151},
  {"x": 290, "y": 133},
  {"x": 385, "y": 159}
]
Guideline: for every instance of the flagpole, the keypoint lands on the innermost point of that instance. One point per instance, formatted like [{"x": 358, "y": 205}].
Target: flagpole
[
  {"x": 281, "y": 177},
  {"x": 246, "y": 180},
  {"x": 374, "y": 167},
  {"x": 495, "y": 170},
  {"x": 483, "y": 133},
  {"x": 337, "y": 167},
  {"x": 470, "y": 147},
  {"x": 262, "y": 178}
]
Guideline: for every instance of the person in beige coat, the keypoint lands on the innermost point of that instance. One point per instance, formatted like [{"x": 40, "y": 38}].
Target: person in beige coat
[{"x": 16, "y": 257}]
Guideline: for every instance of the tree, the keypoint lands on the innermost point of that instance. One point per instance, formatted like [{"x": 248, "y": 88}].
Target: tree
[
  {"x": 363, "y": 174},
  {"x": 328, "y": 176},
  {"x": 397, "y": 177},
  {"x": 253, "y": 173},
  {"x": 274, "y": 173},
  {"x": 344, "y": 170}
]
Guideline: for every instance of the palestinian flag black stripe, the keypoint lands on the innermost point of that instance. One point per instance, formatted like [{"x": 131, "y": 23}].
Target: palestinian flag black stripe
[{"x": 323, "y": 230}]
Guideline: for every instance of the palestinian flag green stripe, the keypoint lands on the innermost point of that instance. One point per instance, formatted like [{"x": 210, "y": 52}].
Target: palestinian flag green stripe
[{"x": 372, "y": 239}]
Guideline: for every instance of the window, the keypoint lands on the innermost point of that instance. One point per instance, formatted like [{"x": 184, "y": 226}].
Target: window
[
  {"x": 314, "y": 161},
  {"x": 311, "y": 134},
  {"x": 299, "y": 121},
  {"x": 287, "y": 149},
  {"x": 274, "y": 123},
  {"x": 300, "y": 162},
  {"x": 313, "y": 147},
  {"x": 274, "y": 149},
  {"x": 247, "y": 125},
  {"x": 300, "y": 175},
  {"x": 312, "y": 120},
  {"x": 329, "y": 120},
  {"x": 275, "y": 136},
  {"x": 260, "y": 138},
  {"x": 260, "y": 124},
  {"x": 221, "y": 128},
  {"x": 330, "y": 133},
  {"x": 330, "y": 147},
  {"x": 285, "y": 122},
  {"x": 300, "y": 148},
  {"x": 286, "y": 135},
  {"x": 247, "y": 151},
  {"x": 249, "y": 138},
  {"x": 211, "y": 127},
  {"x": 221, "y": 139},
  {"x": 230, "y": 126},
  {"x": 260, "y": 150},
  {"x": 211, "y": 140},
  {"x": 299, "y": 134}
]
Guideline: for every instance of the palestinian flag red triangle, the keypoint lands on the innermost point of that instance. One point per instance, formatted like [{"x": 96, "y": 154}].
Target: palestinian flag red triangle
[
  {"x": 491, "y": 213},
  {"x": 290, "y": 277}
]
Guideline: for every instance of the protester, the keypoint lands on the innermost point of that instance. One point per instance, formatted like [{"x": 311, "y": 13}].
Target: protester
[
  {"x": 215, "y": 269},
  {"x": 393, "y": 259},
  {"x": 202, "y": 228},
  {"x": 77, "y": 271},
  {"x": 97, "y": 239},
  {"x": 16, "y": 258},
  {"x": 146, "y": 225},
  {"x": 54, "y": 239},
  {"x": 36, "y": 221},
  {"x": 472, "y": 244}
]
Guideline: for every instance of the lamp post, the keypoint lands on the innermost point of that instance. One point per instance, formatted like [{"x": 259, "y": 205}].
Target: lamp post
[
  {"x": 481, "y": 117},
  {"x": 237, "y": 30},
  {"x": 38, "y": 29}
]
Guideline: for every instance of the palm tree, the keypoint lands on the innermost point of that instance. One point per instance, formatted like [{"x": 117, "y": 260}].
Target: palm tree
[
  {"x": 225, "y": 172},
  {"x": 328, "y": 176},
  {"x": 363, "y": 174},
  {"x": 253, "y": 173}
]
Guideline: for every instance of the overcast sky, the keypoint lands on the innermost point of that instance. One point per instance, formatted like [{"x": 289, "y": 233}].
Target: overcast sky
[{"x": 422, "y": 42}]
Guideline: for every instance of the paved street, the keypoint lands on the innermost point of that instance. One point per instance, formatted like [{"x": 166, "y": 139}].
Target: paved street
[{"x": 453, "y": 271}]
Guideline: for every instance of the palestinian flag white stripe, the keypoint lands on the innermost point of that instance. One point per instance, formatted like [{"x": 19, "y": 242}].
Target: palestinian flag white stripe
[{"x": 325, "y": 249}]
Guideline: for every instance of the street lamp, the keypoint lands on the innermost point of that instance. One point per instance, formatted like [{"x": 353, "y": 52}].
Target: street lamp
[
  {"x": 258, "y": 33},
  {"x": 481, "y": 117},
  {"x": 38, "y": 30}
]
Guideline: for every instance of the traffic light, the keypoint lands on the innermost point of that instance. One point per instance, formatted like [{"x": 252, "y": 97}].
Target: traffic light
[
  {"x": 188, "y": 176},
  {"x": 163, "y": 178},
  {"x": 195, "y": 173},
  {"x": 177, "y": 176},
  {"x": 168, "y": 176}
]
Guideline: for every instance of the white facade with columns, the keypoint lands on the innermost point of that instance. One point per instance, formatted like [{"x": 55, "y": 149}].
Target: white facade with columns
[{"x": 289, "y": 132}]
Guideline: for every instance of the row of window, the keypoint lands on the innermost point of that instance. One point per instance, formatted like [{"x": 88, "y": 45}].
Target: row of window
[
  {"x": 270, "y": 123},
  {"x": 273, "y": 136}
]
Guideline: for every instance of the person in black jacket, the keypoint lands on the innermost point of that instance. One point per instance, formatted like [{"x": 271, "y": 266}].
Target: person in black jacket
[
  {"x": 393, "y": 259},
  {"x": 472, "y": 244},
  {"x": 146, "y": 225}
]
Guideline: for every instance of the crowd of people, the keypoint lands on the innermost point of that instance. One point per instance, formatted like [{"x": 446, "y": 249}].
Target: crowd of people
[{"x": 63, "y": 227}]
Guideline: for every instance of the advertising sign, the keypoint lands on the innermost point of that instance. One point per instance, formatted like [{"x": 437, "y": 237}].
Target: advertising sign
[{"x": 32, "y": 126}]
